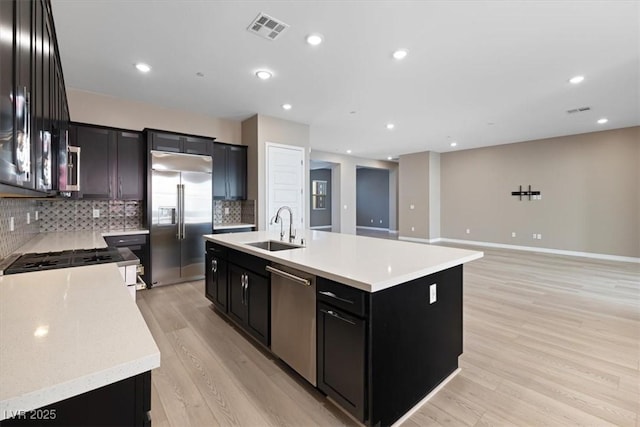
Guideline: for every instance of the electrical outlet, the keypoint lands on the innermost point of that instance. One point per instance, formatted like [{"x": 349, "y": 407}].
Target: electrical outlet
[
  {"x": 345, "y": 207},
  {"x": 412, "y": 207},
  {"x": 371, "y": 220},
  {"x": 226, "y": 211},
  {"x": 96, "y": 213},
  {"x": 513, "y": 234},
  {"x": 539, "y": 236},
  {"x": 432, "y": 294},
  {"x": 468, "y": 230},
  {"x": 28, "y": 218},
  {"x": 37, "y": 214},
  {"x": 413, "y": 229},
  {"x": 535, "y": 236},
  {"x": 380, "y": 221},
  {"x": 12, "y": 224}
]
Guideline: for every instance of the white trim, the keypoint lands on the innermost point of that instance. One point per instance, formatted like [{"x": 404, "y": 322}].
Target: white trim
[
  {"x": 418, "y": 240},
  {"x": 418, "y": 405},
  {"x": 320, "y": 227},
  {"x": 372, "y": 228},
  {"x": 545, "y": 250}
]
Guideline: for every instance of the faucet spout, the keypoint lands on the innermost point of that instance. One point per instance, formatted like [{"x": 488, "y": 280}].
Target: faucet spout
[{"x": 278, "y": 218}]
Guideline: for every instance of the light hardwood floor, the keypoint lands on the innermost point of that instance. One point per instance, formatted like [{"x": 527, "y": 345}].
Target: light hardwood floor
[{"x": 548, "y": 340}]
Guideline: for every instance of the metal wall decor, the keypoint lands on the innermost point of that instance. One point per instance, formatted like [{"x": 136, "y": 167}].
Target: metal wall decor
[{"x": 525, "y": 193}]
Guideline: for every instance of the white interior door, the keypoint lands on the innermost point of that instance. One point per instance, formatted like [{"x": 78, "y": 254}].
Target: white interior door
[{"x": 285, "y": 184}]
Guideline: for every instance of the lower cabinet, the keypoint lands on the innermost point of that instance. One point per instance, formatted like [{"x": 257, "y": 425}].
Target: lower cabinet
[
  {"x": 216, "y": 276},
  {"x": 342, "y": 340},
  {"x": 249, "y": 301},
  {"x": 123, "y": 403}
]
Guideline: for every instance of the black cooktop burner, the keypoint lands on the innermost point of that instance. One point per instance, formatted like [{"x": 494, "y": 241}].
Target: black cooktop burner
[{"x": 52, "y": 260}]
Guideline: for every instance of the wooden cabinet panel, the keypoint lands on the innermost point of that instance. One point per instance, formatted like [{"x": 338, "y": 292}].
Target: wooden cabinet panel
[
  {"x": 216, "y": 279},
  {"x": 194, "y": 145},
  {"x": 166, "y": 142},
  {"x": 258, "y": 299},
  {"x": 130, "y": 166},
  {"x": 98, "y": 153},
  {"x": 237, "y": 309},
  {"x": 229, "y": 172}
]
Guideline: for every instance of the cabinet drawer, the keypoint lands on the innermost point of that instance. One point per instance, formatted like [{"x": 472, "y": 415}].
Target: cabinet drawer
[
  {"x": 126, "y": 240},
  {"x": 350, "y": 299},
  {"x": 217, "y": 250},
  {"x": 248, "y": 262}
]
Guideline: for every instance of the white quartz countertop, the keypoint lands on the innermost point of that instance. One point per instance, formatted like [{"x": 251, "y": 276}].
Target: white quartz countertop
[
  {"x": 65, "y": 332},
  {"x": 69, "y": 240},
  {"x": 366, "y": 263}
]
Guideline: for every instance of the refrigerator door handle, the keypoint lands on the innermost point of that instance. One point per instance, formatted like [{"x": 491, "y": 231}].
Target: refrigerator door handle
[
  {"x": 179, "y": 210},
  {"x": 183, "y": 232}
]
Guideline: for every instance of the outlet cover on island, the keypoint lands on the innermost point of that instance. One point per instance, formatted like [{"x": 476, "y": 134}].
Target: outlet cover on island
[
  {"x": 28, "y": 217},
  {"x": 96, "y": 213},
  {"x": 432, "y": 294},
  {"x": 226, "y": 211},
  {"x": 12, "y": 224},
  {"x": 37, "y": 213}
]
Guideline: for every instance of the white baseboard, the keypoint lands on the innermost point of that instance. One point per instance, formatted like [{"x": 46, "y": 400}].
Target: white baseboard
[
  {"x": 593, "y": 255},
  {"x": 418, "y": 240},
  {"x": 393, "y": 231},
  {"x": 371, "y": 228},
  {"x": 418, "y": 405}
]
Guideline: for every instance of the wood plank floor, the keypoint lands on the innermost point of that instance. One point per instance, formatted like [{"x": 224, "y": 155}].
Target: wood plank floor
[{"x": 548, "y": 340}]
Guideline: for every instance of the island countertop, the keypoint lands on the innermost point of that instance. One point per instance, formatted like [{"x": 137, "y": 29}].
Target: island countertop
[
  {"x": 366, "y": 263},
  {"x": 65, "y": 332}
]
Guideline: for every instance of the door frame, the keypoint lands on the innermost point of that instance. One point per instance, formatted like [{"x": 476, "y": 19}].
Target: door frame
[{"x": 303, "y": 200}]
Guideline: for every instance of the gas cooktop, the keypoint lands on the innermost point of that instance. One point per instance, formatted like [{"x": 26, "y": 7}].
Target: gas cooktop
[{"x": 74, "y": 258}]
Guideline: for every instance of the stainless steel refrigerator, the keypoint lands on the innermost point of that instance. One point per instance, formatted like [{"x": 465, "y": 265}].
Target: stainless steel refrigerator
[{"x": 181, "y": 212}]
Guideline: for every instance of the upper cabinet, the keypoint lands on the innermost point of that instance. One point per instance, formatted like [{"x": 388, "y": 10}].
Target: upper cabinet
[
  {"x": 113, "y": 162},
  {"x": 179, "y": 143},
  {"x": 229, "y": 172},
  {"x": 33, "y": 102}
]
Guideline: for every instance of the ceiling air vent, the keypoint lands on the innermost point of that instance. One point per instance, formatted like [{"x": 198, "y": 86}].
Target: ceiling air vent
[
  {"x": 267, "y": 27},
  {"x": 578, "y": 110}
]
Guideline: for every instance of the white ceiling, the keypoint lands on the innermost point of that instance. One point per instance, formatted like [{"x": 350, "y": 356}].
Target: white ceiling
[{"x": 470, "y": 63}]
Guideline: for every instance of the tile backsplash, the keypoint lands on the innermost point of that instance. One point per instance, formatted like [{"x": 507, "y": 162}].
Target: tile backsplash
[
  {"x": 23, "y": 232},
  {"x": 238, "y": 212},
  {"x": 77, "y": 215}
]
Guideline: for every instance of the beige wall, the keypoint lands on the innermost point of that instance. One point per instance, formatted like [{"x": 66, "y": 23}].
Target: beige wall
[
  {"x": 590, "y": 186},
  {"x": 344, "y": 188},
  {"x": 414, "y": 191},
  {"x": 104, "y": 110},
  {"x": 260, "y": 130},
  {"x": 434, "y": 195}
]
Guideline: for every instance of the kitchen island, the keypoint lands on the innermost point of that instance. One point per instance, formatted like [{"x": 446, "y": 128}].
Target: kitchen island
[
  {"x": 388, "y": 318},
  {"x": 74, "y": 348}
]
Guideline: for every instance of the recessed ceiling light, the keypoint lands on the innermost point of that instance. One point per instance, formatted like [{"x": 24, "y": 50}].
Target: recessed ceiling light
[
  {"x": 576, "y": 79},
  {"x": 400, "y": 54},
  {"x": 389, "y": 158},
  {"x": 603, "y": 121},
  {"x": 390, "y": 126},
  {"x": 454, "y": 144},
  {"x": 263, "y": 74},
  {"x": 286, "y": 106},
  {"x": 142, "y": 67},
  {"x": 314, "y": 39},
  {"x": 348, "y": 151}
]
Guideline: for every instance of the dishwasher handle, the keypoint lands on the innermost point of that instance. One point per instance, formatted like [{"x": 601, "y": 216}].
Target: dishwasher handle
[{"x": 293, "y": 277}]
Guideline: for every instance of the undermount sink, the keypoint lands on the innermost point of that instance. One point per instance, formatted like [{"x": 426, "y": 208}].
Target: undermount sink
[{"x": 274, "y": 245}]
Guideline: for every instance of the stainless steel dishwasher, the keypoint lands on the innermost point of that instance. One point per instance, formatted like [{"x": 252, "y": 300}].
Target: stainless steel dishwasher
[{"x": 293, "y": 319}]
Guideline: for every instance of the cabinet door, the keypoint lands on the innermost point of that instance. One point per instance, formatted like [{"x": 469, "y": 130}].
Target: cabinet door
[
  {"x": 258, "y": 299},
  {"x": 97, "y": 160},
  {"x": 131, "y": 166},
  {"x": 7, "y": 94},
  {"x": 192, "y": 145},
  {"x": 219, "y": 171},
  {"x": 237, "y": 294},
  {"x": 166, "y": 142},
  {"x": 216, "y": 281},
  {"x": 341, "y": 358},
  {"x": 237, "y": 173}
]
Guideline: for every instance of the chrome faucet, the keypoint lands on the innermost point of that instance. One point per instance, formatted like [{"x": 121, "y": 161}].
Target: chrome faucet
[{"x": 278, "y": 219}]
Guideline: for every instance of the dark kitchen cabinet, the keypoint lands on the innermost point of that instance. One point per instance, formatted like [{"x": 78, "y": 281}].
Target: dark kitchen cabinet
[
  {"x": 138, "y": 244},
  {"x": 31, "y": 90},
  {"x": 250, "y": 296},
  {"x": 229, "y": 172},
  {"x": 112, "y": 162},
  {"x": 342, "y": 345},
  {"x": 216, "y": 276},
  {"x": 179, "y": 143},
  {"x": 123, "y": 403}
]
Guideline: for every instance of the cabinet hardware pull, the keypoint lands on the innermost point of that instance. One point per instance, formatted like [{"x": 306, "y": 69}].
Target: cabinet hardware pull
[
  {"x": 332, "y": 295},
  {"x": 120, "y": 187},
  {"x": 337, "y": 316},
  {"x": 293, "y": 277},
  {"x": 215, "y": 266}
]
